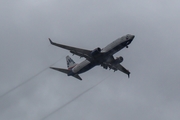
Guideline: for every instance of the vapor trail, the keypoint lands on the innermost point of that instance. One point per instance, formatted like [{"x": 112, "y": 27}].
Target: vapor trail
[
  {"x": 26, "y": 81},
  {"x": 61, "y": 107}
]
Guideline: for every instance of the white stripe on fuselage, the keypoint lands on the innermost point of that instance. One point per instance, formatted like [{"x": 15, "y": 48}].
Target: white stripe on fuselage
[
  {"x": 80, "y": 66},
  {"x": 113, "y": 45}
]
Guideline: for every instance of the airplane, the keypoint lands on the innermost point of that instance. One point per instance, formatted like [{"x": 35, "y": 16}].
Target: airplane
[{"x": 103, "y": 57}]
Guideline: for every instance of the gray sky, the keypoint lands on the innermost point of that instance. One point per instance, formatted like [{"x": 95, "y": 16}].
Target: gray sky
[{"x": 152, "y": 92}]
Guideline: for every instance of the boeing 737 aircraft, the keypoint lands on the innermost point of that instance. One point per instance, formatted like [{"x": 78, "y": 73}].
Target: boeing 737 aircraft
[{"x": 98, "y": 56}]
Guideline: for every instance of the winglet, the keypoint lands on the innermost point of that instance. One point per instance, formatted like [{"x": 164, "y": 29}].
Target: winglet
[
  {"x": 129, "y": 75},
  {"x": 50, "y": 41}
]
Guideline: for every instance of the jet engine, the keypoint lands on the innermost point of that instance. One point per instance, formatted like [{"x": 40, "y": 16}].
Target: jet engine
[
  {"x": 96, "y": 51},
  {"x": 118, "y": 60}
]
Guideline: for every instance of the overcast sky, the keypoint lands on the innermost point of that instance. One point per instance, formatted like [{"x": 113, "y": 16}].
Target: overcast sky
[{"x": 151, "y": 93}]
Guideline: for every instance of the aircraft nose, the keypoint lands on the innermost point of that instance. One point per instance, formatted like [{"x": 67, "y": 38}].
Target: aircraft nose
[{"x": 133, "y": 36}]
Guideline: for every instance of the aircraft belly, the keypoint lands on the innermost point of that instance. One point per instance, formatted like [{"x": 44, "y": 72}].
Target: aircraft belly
[
  {"x": 83, "y": 67},
  {"x": 86, "y": 68}
]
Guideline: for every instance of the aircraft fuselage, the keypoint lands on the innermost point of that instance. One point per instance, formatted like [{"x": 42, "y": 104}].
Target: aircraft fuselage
[{"x": 106, "y": 52}]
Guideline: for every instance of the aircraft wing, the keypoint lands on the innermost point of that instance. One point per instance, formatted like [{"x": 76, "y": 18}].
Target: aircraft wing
[
  {"x": 115, "y": 67},
  {"x": 122, "y": 69},
  {"x": 77, "y": 51}
]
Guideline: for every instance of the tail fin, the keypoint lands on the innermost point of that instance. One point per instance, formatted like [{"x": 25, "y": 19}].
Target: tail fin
[{"x": 70, "y": 62}]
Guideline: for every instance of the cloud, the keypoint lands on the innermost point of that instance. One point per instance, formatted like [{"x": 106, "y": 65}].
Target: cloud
[{"x": 153, "y": 59}]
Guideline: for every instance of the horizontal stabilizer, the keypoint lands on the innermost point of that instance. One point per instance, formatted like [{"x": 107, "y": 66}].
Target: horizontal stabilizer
[
  {"x": 61, "y": 70},
  {"x": 77, "y": 76},
  {"x": 66, "y": 72}
]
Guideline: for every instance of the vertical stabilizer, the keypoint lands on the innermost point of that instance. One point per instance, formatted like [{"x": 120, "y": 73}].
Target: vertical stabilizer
[{"x": 70, "y": 62}]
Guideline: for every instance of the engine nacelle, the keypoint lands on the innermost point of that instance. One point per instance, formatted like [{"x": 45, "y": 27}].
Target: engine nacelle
[
  {"x": 118, "y": 60},
  {"x": 96, "y": 51}
]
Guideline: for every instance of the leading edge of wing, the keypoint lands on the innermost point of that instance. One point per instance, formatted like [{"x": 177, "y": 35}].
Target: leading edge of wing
[{"x": 79, "y": 50}]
